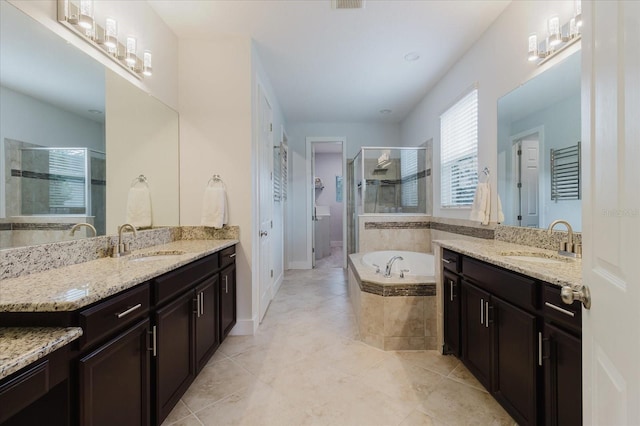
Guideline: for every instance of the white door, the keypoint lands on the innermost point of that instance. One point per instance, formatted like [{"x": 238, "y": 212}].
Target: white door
[
  {"x": 529, "y": 179},
  {"x": 314, "y": 217},
  {"x": 611, "y": 211},
  {"x": 266, "y": 200}
]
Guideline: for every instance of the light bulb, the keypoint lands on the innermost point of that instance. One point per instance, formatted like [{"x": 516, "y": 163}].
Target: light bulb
[
  {"x": 578, "y": 13},
  {"x": 85, "y": 19},
  {"x": 111, "y": 33},
  {"x": 554, "y": 31},
  {"x": 130, "y": 57},
  {"x": 533, "y": 47},
  {"x": 147, "y": 69}
]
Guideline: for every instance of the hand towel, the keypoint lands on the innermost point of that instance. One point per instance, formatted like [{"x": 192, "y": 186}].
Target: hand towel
[
  {"x": 139, "y": 207},
  {"x": 481, "y": 207},
  {"x": 214, "y": 207},
  {"x": 500, "y": 213}
]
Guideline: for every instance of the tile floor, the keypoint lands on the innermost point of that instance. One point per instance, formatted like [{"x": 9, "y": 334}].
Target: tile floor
[
  {"x": 305, "y": 366},
  {"x": 334, "y": 260}
]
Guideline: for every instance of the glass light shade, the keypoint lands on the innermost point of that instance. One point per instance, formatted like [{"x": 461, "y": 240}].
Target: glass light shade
[
  {"x": 130, "y": 57},
  {"x": 573, "y": 28},
  {"x": 111, "y": 33},
  {"x": 85, "y": 20},
  {"x": 578, "y": 13},
  {"x": 554, "y": 31},
  {"x": 147, "y": 69},
  {"x": 533, "y": 47}
]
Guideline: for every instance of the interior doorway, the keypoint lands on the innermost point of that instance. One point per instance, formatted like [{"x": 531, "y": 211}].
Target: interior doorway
[
  {"x": 526, "y": 161},
  {"x": 327, "y": 201}
]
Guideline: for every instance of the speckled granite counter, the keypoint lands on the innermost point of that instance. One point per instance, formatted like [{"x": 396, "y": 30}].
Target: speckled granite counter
[
  {"x": 566, "y": 272},
  {"x": 72, "y": 287},
  {"x": 20, "y": 347}
]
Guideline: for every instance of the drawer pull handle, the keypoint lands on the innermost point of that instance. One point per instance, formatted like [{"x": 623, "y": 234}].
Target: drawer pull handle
[
  {"x": 128, "y": 311},
  {"x": 201, "y": 303},
  {"x": 540, "y": 349},
  {"x": 451, "y": 290},
  {"x": 486, "y": 310},
  {"x": 226, "y": 284},
  {"x": 446, "y": 260},
  {"x": 559, "y": 309},
  {"x": 232, "y": 255},
  {"x": 482, "y": 311}
]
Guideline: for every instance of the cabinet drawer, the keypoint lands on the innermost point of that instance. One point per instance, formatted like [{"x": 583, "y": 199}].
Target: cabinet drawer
[
  {"x": 555, "y": 310},
  {"x": 113, "y": 314},
  {"x": 175, "y": 282},
  {"x": 451, "y": 260},
  {"x": 23, "y": 390},
  {"x": 227, "y": 256},
  {"x": 513, "y": 288}
]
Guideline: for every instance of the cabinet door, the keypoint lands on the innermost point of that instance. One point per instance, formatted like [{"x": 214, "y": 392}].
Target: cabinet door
[
  {"x": 175, "y": 352},
  {"x": 451, "y": 303},
  {"x": 563, "y": 377},
  {"x": 114, "y": 380},
  {"x": 207, "y": 327},
  {"x": 227, "y": 300},
  {"x": 517, "y": 355},
  {"x": 476, "y": 333}
]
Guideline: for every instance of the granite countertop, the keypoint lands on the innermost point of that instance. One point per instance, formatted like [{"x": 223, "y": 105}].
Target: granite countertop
[
  {"x": 73, "y": 287},
  {"x": 567, "y": 272},
  {"x": 20, "y": 346}
]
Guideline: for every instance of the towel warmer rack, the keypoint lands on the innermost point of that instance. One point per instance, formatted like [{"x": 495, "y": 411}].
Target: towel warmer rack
[{"x": 565, "y": 173}]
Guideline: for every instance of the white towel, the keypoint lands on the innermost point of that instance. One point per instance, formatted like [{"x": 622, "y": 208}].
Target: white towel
[
  {"x": 481, "y": 207},
  {"x": 500, "y": 213},
  {"x": 139, "y": 207},
  {"x": 214, "y": 207}
]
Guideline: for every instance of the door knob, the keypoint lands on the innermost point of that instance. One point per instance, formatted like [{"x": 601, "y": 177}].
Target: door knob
[
  {"x": 263, "y": 233},
  {"x": 582, "y": 293}
]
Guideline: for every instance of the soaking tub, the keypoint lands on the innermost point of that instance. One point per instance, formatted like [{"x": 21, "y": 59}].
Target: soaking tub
[{"x": 414, "y": 264}]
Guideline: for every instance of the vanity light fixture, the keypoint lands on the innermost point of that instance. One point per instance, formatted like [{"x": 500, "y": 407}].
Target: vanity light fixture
[
  {"x": 559, "y": 37},
  {"x": 147, "y": 69},
  {"x": 78, "y": 16}
]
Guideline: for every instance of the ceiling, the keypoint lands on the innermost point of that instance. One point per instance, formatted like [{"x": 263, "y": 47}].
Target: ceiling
[
  {"x": 40, "y": 64},
  {"x": 330, "y": 65}
]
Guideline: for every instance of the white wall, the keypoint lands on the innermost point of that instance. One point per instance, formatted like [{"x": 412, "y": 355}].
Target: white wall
[
  {"x": 30, "y": 120},
  {"x": 134, "y": 17},
  {"x": 497, "y": 63},
  {"x": 328, "y": 166},
  {"x": 357, "y": 135}
]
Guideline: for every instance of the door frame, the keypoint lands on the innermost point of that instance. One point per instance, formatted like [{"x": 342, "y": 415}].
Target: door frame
[
  {"x": 310, "y": 140},
  {"x": 515, "y": 139}
]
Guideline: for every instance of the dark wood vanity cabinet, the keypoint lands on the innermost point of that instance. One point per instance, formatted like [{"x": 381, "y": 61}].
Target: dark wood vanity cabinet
[
  {"x": 114, "y": 386},
  {"x": 451, "y": 303},
  {"x": 518, "y": 339},
  {"x": 227, "y": 300},
  {"x": 207, "y": 324}
]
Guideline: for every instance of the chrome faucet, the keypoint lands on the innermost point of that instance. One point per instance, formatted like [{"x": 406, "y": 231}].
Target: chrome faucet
[
  {"x": 80, "y": 225},
  {"x": 387, "y": 269},
  {"x": 123, "y": 249},
  {"x": 567, "y": 248}
]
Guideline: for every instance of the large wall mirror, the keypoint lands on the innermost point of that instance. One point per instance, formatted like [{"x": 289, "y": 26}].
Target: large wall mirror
[
  {"x": 73, "y": 136},
  {"x": 539, "y": 148}
]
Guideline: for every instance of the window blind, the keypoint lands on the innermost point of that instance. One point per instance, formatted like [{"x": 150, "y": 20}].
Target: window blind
[
  {"x": 459, "y": 152},
  {"x": 67, "y": 178},
  {"x": 409, "y": 177}
]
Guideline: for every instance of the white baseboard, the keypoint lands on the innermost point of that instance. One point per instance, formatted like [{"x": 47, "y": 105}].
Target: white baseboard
[
  {"x": 304, "y": 264},
  {"x": 245, "y": 327},
  {"x": 276, "y": 286}
]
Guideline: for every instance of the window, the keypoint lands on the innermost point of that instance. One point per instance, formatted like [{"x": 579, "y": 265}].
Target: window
[
  {"x": 409, "y": 177},
  {"x": 459, "y": 152}
]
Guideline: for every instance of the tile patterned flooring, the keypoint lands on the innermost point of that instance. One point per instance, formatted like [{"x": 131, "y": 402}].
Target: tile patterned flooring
[{"x": 305, "y": 366}]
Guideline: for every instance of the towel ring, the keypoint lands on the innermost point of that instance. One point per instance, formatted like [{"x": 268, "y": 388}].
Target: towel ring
[
  {"x": 140, "y": 179},
  {"x": 486, "y": 174},
  {"x": 216, "y": 179}
]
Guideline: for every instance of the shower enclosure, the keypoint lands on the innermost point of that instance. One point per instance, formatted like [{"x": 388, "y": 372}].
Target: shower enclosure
[
  {"x": 61, "y": 182},
  {"x": 387, "y": 181}
]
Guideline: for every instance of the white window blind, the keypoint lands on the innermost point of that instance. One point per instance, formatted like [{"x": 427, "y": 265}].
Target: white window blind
[
  {"x": 67, "y": 178},
  {"x": 409, "y": 177},
  {"x": 459, "y": 152}
]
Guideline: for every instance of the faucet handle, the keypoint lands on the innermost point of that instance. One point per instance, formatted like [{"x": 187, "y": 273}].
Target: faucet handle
[
  {"x": 564, "y": 246},
  {"x": 377, "y": 268},
  {"x": 402, "y": 271},
  {"x": 577, "y": 249}
]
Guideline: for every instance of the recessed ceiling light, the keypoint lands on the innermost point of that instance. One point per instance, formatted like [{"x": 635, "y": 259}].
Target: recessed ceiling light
[
  {"x": 95, "y": 111},
  {"x": 385, "y": 111},
  {"x": 411, "y": 57}
]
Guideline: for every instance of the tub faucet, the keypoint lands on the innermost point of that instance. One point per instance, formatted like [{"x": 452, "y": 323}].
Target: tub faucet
[
  {"x": 80, "y": 225},
  {"x": 123, "y": 249},
  {"x": 387, "y": 270},
  {"x": 567, "y": 248}
]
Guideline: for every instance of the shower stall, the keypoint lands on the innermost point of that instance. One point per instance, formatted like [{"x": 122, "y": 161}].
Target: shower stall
[
  {"x": 387, "y": 181},
  {"x": 61, "y": 182}
]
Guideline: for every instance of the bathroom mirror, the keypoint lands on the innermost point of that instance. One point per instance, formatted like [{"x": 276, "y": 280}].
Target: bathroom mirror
[
  {"x": 56, "y": 150},
  {"x": 540, "y": 117}
]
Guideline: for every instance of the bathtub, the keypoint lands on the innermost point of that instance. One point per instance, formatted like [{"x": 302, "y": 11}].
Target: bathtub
[{"x": 418, "y": 264}]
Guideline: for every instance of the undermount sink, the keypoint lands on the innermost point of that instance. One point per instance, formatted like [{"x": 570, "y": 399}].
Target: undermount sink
[
  {"x": 155, "y": 255},
  {"x": 535, "y": 257}
]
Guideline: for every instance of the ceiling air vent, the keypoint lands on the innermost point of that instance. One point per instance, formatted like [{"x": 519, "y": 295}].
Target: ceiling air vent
[{"x": 347, "y": 4}]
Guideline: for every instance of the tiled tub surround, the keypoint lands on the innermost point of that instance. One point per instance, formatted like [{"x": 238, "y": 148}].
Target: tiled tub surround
[
  {"x": 72, "y": 287},
  {"x": 494, "y": 252},
  {"x": 21, "y": 346},
  {"x": 392, "y": 315},
  {"x": 33, "y": 259}
]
